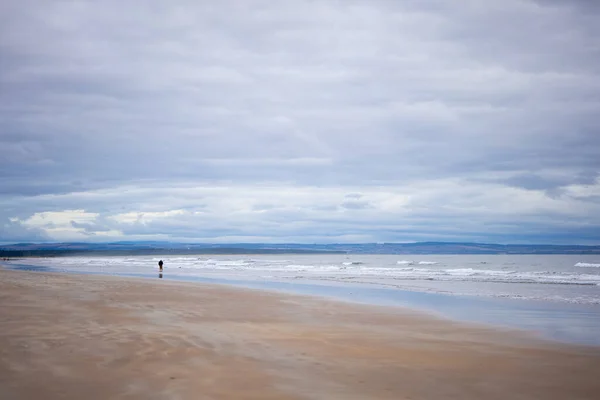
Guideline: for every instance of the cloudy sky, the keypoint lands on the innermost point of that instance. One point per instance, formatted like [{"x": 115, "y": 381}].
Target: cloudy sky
[{"x": 300, "y": 121}]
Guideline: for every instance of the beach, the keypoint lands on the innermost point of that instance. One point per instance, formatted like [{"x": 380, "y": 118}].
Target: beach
[{"x": 97, "y": 337}]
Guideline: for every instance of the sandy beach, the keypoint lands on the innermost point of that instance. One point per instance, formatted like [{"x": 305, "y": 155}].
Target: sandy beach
[{"x": 95, "y": 337}]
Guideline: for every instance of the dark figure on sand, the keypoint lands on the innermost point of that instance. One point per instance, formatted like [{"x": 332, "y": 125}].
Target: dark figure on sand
[{"x": 160, "y": 264}]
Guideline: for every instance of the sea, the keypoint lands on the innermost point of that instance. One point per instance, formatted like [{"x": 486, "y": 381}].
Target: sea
[{"x": 554, "y": 296}]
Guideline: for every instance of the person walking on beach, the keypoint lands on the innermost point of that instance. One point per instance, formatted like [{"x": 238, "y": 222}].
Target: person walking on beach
[{"x": 160, "y": 264}]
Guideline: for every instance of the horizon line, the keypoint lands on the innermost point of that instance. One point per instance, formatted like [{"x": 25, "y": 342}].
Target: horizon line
[{"x": 292, "y": 243}]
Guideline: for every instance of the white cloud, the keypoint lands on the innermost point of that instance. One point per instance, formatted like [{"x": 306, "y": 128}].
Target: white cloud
[
  {"x": 59, "y": 218},
  {"x": 66, "y": 225},
  {"x": 447, "y": 208},
  {"x": 145, "y": 217}
]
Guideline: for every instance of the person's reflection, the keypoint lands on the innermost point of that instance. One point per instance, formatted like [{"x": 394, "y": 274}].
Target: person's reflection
[{"x": 160, "y": 276}]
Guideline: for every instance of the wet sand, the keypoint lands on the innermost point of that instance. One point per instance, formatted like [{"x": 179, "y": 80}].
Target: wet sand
[{"x": 92, "y": 337}]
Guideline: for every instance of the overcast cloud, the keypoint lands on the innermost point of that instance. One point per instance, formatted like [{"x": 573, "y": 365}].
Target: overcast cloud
[{"x": 300, "y": 121}]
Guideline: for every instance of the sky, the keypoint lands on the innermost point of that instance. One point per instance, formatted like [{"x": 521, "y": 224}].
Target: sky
[{"x": 317, "y": 121}]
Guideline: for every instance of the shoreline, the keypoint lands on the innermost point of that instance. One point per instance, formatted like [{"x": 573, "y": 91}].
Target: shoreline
[
  {"x": 70, "y": 336},
  {"x": 564, "y": 323},
  {"x": 275, "y": 288}
]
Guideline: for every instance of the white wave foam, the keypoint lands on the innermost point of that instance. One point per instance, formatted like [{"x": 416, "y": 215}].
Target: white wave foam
[
  {"x": 308, "y": 267},
  {"x": 474, "y": 271},
  {"x": 265, "y": 261},
  {"x": 405, "y": 262},
  {"x": 232, "y": 263},
  {"x": 587, "y": 265},
  {"x": 413, "y": 269},
  {"x": 539, "y": 297},
  {"x": 352, "y": 263},
  {"x": 428, "y": 262}
]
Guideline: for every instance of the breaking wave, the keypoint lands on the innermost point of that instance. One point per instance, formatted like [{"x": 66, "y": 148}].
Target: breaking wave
[{"x": 587, "y": 265}]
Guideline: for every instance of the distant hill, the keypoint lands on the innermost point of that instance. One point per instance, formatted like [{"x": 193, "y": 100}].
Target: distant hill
[{"x": 148, "y": 248}]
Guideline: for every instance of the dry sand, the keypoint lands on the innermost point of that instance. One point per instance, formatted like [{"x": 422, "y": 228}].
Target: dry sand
[{"x": 91, "y": 337}]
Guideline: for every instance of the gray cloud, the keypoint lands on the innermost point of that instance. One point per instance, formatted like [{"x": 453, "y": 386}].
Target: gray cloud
[
  {"x": 90, "y": 228},
  {"x": 12, "y": 231},
  {"x": 431, "y": 111}
]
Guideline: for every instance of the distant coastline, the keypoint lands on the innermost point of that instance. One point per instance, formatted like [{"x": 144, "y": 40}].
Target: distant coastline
[{"x": 149, "y": 248}]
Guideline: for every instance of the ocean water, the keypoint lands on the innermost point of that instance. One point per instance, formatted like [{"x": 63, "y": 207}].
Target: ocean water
[
  {"x": 557, "y": 296},
  {"x": 556, "y": 278}
]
